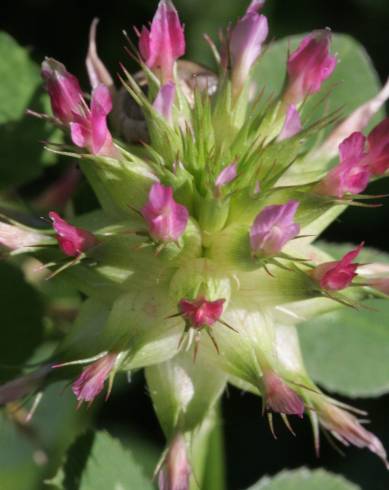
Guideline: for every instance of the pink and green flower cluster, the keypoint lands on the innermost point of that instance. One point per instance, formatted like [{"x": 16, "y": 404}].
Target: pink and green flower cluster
[{"x": 203, "y": 233}]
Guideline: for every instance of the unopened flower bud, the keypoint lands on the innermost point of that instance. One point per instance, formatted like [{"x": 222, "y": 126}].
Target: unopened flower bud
[
  {"x": 73, "y": 241},
  {"x": 309, "y": 66},
  {"x": 273, "y": 228},
  {"x": 165, "y": 218},
  {"x": 164, "y": 43},
  {"x": 64, "y": 90},
  {"x": 337, "y": 275},
  {"x": 175, "y": 472},
  {"x": 352, "y": 174},
  {"x": 91, "y": 381},
  {"x": 246, "y": 42},
  {"x": 279, "y": 397}
]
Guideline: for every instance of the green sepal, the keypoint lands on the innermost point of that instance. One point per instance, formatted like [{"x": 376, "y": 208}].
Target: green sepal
[
  {"x": 183, "y": 391},
  {"x": 200, "y": 277},
  {"x": 119, "y": 184}
]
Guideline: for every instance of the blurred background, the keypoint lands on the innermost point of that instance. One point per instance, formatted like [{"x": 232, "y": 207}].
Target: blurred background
[{"x": 60, "y": 29}]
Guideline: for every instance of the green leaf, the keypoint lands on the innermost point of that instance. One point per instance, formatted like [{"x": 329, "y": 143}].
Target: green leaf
[
  {"x": 347, "y": 351},
  {"x": 21, "y": 151},
  {"x": 353, "y": 82},
  {"x": 21, "y": 320},
  {"x": 96, "y": 461},
  {"x": 29, "y": 451},
  {"x": 19, "y": 79},
  {"x": 304, "y": 479}
]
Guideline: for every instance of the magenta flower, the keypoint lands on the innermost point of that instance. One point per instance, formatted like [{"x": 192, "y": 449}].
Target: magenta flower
[
  {"x": 273, "y": 228},
  {"x": 292, "y": 124},
  {"x": 166, "y": 219},
  {"x": 200, "y": 312},
  {"x": 175, "y": 472},
  {"x": 279, "y": 397},
  {"x": 91, "y": 381},
  {"x": 64, "y": 90},
  {"x": 245, "y": 44},
  {"x": 164, "y": 43},
  {"x": 352, "y": 174},
  {"x": 227, "y": 175},
  {"x": 164, "y": 101},
  {"x": 378, "y": 148},
  {"x": 337, "y": 275},
  {"x": 89, "y": 128},
  {"x": 309, "y": 66},
  {"x": 73, "y": 241}
]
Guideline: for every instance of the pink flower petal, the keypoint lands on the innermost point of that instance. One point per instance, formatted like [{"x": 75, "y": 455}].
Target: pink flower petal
[
  {"x": 378, "y": 153},
  {"x": 337, "y": 275},
  {"x": 279, "y": 397},
  {"x": 352, "y": 174},
  {"x": 164, "y": 43},
  {"x": 91, "y": 381},
  {"x": 164, "y": 101},
  {"x": 292, "y": 124},
  {"x": 227, "y": 175},
  {"x": 166, "y": 219},
  {"x": 200, "y": 312},
  {"x": 64, "y": 90},
  {"x": 245, "y": 45},
  {"x": 273, "y": 228},
  {"x": 175, "y": 471},
  {"x": 73, "y": 241},
  {"x": 309, "y": 66}
]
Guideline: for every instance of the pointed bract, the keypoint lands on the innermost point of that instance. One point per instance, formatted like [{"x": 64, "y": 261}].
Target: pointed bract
[
  {"x": 166, "y": 219},
  {"x": 73, "y": 241},
  {"x": 309, "y": 66},
  {"x": 64, "y": 90},
  {"x": 200, "y": 312},
  {"x": 273, "y": 228},
  {"x": 164, "y": 43},
  {"x": 337, "y": 275},
  {"x": 91, "y": 381}
]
